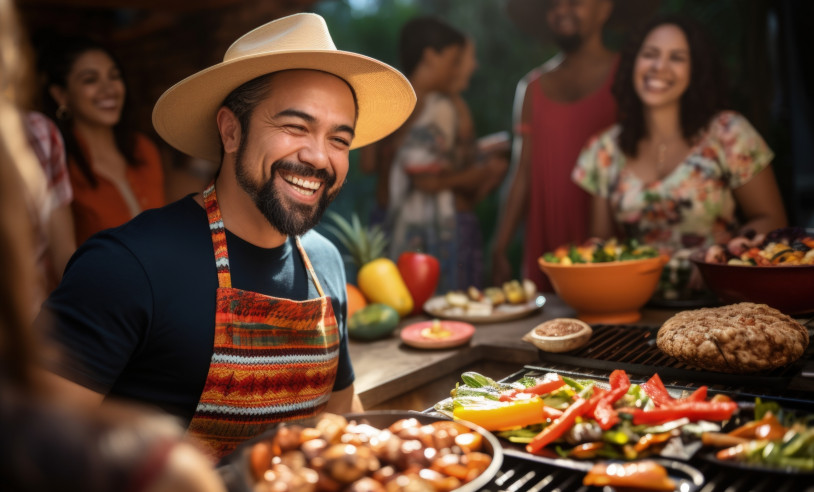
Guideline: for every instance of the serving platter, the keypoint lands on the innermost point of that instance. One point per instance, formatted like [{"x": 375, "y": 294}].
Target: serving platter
[
  {"x": 437, "y": 307},
  {"x": 234, "y": 469}
]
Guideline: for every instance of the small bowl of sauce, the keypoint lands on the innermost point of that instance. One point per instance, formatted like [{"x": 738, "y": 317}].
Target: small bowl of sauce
[{"x": 559, "y": 335}]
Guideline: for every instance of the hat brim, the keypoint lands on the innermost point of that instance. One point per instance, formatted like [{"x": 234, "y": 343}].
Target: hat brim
[{"x": 184, "y": 115}]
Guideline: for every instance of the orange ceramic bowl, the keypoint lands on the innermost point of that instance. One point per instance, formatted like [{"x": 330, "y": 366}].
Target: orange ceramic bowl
[{"x": 611, "y": 292}]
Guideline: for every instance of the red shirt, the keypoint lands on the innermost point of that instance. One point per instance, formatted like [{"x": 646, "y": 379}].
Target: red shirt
[
  {"x": 558, "y": 208},
  {"x": 103, "y": 207}
]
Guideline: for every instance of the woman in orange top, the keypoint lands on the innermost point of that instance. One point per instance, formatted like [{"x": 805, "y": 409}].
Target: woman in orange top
[{"x": 115, "y": 172}]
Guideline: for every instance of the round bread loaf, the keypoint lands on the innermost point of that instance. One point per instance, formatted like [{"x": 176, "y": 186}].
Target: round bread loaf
[{"x": 737, "y": 338}]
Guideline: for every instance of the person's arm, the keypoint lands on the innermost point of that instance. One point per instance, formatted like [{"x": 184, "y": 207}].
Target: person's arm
[
  {"x": 344, "y": 401},
  {"x": 517, "y": 200},
  {"x": 600, "y": 222},
  {"x": 61, "y": 238},
  {"x": 68, "y": 391},
  {"x": 95, "y": 320},
  {"x": 759, "y": 200}
]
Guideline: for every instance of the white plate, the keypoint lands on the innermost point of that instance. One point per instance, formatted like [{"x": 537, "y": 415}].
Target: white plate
[{"x": 436, "y": 307}]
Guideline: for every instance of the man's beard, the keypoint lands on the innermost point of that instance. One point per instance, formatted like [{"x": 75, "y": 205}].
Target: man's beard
[{"x": 289, "y": 218}]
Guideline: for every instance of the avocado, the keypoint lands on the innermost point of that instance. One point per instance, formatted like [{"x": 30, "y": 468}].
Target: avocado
[{"x": 372, "y": 322}]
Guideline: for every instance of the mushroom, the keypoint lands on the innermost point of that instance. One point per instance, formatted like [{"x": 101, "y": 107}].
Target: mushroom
[
  {"x": 365, "y": 484},
  {"x": 347, "y": 463}
]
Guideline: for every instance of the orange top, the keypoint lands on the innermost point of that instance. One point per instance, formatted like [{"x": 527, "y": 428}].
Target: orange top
[{"x": 103, "y": 207}]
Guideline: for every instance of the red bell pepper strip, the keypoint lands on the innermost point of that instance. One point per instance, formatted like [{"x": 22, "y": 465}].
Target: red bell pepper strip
[
  {"x": 602, "y": 410},
  {"x": 619, "y": 379},
  {"x": 558, "y": 427},
  {"x": 551, "y": 382},
  {"x": 605, "y": 415},
  {"x": 698, "y": 395},
  {"x": 655, "y": 389},
  {"x": 594, "y": 400},
  {"x": 693, "y": 410}
]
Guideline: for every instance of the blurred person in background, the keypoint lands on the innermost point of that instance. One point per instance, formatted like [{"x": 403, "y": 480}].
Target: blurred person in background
[
  {"x": 54, "y": 240},
  {"x": 478, "y": 168},
  {"x": 50, "y": 214},
  {"x": 47, "y": 444},
  {"x": 678, "y": 169},
  {"x": 115, "y": 172},
  {"x": 419, "y": 220},
  {"x": 557, "y": 107}
]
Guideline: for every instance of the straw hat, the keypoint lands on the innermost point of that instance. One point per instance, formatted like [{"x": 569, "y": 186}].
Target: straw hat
[
  {"x": 529, "y": 15},
  {"x": 185, "y": 114}
]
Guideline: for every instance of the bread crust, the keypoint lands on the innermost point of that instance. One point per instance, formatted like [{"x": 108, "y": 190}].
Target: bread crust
[{"x": 738, "y": 338}]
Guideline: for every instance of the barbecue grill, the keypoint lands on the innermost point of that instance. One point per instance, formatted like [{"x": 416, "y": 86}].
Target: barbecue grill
[{"x": 633, "y": 348}]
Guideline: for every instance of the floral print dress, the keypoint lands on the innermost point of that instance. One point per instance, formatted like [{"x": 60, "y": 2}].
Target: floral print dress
[{"x": 685, "y": 208}]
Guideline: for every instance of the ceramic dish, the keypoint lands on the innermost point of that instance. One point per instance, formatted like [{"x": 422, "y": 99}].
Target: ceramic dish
[
  {"x": 559, "y": 335},
  {"x": 611, "y": 292},
  {"x": 785, "y": 288},
  {"x": 436, "y": 307},
  {"x": 451, "y": 334}
]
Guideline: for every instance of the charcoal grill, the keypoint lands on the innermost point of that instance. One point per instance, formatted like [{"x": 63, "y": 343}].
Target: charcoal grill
[
  {"x": 633, "y": 349},
  {"x": 519, "y": 474}
]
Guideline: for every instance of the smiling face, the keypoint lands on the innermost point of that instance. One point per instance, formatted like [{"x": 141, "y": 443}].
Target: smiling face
[
  {"x": 94, "y": 90},
  {"x": 573, "y": 21},
  {"x": 661, "y": 73},
  {"x": 293, "y": 158}
]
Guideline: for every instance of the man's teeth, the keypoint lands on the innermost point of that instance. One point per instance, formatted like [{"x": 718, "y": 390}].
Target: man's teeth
[{"x": 308, "y": 187}]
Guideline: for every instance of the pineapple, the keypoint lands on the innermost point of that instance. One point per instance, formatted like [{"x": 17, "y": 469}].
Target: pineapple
[{"x": 378, "y": 277}]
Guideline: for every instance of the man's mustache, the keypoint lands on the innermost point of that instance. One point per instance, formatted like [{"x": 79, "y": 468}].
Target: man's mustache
[{"x": 305, "y": 171}]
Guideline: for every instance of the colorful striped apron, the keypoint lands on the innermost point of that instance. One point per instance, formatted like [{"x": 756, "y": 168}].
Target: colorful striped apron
[{"x": 273, "y": 359}]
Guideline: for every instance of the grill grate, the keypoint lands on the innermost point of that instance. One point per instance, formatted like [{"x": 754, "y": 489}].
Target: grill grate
[
  {"x": 523, "y": 475},
  {"x": 633, "y": 348}
]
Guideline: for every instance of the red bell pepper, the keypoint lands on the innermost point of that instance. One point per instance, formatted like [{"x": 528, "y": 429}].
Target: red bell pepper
[
  {"x": 602, "y": 409},
  {"x": 558, "y": 427},
  {"x": 655, "y": 389},
  {"x": 599, "y": 393},
  {"x": 693, "y": 410},
  {"x": 420, "y": 273},
  {"x": 698, "y": 395},
  {"x": 605, "y": 415},
  {"x": 551, "y": 381}
]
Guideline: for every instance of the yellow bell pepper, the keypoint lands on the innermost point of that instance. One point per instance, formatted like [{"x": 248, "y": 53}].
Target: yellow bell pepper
[
  {"x": 381, "y": 282},
  {"x": 499, "y": 415}
]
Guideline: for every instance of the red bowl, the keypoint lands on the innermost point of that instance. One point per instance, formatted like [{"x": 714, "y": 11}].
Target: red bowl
[{"x": 789, "y": 289}]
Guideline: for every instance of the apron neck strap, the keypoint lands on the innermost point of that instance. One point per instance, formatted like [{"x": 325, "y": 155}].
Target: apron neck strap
[{"x": 218, "y": 233}]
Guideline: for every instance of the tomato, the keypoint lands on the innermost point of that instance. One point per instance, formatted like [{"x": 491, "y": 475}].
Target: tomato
[{"x": 420, "y": 272}]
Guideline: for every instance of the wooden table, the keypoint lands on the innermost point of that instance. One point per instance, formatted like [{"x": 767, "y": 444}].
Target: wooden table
[{"x": 386, "y": 369}]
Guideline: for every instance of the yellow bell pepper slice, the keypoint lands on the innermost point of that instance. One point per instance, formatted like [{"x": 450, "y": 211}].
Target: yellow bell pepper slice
[{"x": 498, "y": 415}]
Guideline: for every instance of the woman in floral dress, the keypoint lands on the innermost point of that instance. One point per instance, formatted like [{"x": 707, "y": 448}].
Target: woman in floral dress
[{"x": 678, "y": 171}]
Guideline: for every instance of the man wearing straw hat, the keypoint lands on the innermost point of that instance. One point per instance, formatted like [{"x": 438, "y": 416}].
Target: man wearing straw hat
[
  {"x": 558, "y": 107},
  {"x": 223, "y": 308}
]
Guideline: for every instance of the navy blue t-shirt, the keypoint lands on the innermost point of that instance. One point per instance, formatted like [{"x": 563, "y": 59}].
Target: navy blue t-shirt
[{"x": 134, "y": 315}]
